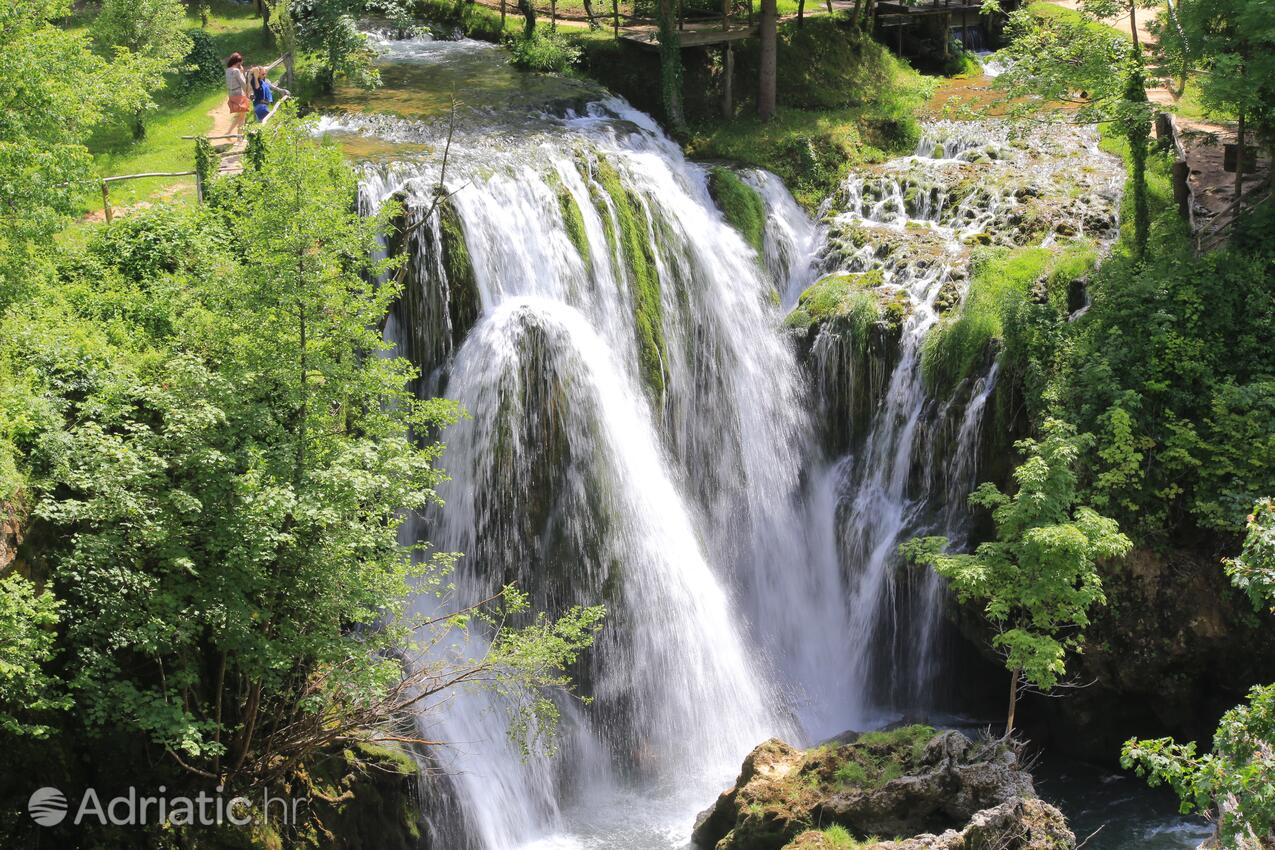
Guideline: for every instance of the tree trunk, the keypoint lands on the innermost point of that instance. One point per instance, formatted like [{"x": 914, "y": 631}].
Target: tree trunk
[
  {"x": 769, "y": 59},
  {"x": 588, "y": 11},
  {"x": 502, "y": 16},
  {"x": 671, "y": 67},
  {"x": 1239, "y": 158},
  {"x": 615, "y": 18},
  {"x": 829, "y": 8},
  {"x": 1133, "y": 26},
  {"x": 1013, "y": 701},
  {"x": 728, "y": 83},
  {"x": 553, "y": 15},
  {"x": 529, "y": 18},
  {"x": 801, "y": 13},
  {"x": 1138, "y": 134}
]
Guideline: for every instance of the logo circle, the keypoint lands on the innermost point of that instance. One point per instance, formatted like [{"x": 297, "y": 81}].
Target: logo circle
[{"x": 47, "y": 806}]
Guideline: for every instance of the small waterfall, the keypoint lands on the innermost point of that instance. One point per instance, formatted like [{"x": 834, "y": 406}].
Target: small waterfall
[{"x": 906, "y": 460}]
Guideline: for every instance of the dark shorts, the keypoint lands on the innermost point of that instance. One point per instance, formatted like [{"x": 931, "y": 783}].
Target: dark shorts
[{"x": 261, "y": 110}]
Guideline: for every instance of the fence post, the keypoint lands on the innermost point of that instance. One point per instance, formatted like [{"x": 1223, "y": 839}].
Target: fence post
[{"x": 106, "y": 201}]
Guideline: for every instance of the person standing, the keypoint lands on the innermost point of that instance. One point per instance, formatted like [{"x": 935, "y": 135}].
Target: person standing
[
  {"x": 263, "y": 92},
  {"x": 238, "y": 94}
]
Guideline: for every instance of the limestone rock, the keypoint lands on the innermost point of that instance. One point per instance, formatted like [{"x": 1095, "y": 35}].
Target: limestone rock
[{"x": 933, "y": 791}]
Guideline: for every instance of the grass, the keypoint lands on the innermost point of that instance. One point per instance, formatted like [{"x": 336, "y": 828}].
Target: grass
[
  {"x": 1050, "y": 10},
  {"x": 844, "y": 100},
  {"x": 181, "y": 112},
  {"x": 1001, "y": 279}
]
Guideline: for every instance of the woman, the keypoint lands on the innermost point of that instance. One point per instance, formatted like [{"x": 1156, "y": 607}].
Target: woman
[
  {"x": 263, "y": 92},
  {"x": 237, "y": 91}
]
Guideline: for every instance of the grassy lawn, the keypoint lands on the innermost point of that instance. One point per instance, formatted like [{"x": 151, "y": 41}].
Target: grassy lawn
[{"x": 181, "y": 111}]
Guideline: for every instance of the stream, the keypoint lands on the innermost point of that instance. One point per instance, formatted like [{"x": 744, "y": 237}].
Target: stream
[{"x": 644, "y": 432}]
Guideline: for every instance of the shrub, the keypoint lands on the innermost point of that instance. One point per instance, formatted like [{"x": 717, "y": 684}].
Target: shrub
[
  {"x": 544, "y": 52},
  {"x": 202, "y": 63}
]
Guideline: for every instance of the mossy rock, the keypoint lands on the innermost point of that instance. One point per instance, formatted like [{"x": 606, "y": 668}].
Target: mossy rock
[
  {"x": 741, "y": 204},
  {"x": 464, "y": 303},
  {"x": 573, "y": 221},
  {"x": 850, "y": 303},
  {"x": 633, "y": 245}
]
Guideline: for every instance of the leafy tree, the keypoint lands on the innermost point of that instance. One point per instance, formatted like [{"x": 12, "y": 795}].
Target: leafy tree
[
  {"x": 1078, "y": 71},
  {"x": 1038, "y": 578},
  {"x": 228, "y": 465},
  {"x": 27, "y": 619},
  {"x": 147, "y": 37},
  {"x": 1231, "y": 44},
  {"x": 1234, "y": 780},
  {"x": 63, "y": 91},
  {"x": 328, "y": 31}
]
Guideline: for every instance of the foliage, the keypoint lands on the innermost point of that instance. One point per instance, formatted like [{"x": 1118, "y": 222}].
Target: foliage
[
  {"x": 147, "y": 37},
  {"x": 1038, "y": 579},
  {"x": 1000, "y": 286},
  {"x": 1234, "y": 780},
  {"x": 543, "y": 51},
  {"x": 59, "y": 92},
  {"x": 327, "y": 32},
  {"x": 223, "y": 463},
  {"x": 1254, "y": 570},
  {"x": 741, "y": 204},
  {"x": 27, "y": 620},
  {"x": 1228, "y": 47},
  {"x": 203, "y": 63},
  {"x": 1067, "y": 69}
]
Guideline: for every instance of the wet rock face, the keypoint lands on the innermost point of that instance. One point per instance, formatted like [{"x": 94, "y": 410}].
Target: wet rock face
[{"x": 930, "y": 790}]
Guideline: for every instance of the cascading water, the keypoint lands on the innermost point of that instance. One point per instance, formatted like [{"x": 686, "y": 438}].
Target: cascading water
[{"x": 641, "y": 434}]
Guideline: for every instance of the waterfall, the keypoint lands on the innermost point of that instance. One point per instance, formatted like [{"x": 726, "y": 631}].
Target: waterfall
[{"x": 642, "y": 432}]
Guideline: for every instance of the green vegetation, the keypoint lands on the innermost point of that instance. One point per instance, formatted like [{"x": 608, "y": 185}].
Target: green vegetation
[
  {"x": 573, "y": 220},
  {"x": 740, "y": 204},
  {"x": 1068, "y": 68},
  {"x": 1233, "y": 782},
  {"x": 637, "y": 255},
  {"x": 875, "y": 758},
  {"x": 851, "y": 301},
  {"x": 843, "y": 98},
  {"x": 542, "y": 51},
  {"x": 1038, "y": 579},
  {"x": 145, "y": 37},
  {"x": 1001, "y": 283}
]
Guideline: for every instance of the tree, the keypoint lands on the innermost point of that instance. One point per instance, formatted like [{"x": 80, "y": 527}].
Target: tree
[
  {"x": 671, "y": 67},
  {"x": 1081, "y": 72},
  {"x": 1038, "y": 578},
  {"x": 224, "y": 467},
  {"x": 769, "y": 76},
  {"x": 67, "y": 90},
  {"x": 1231, "y": 46},
  {"x": 328, "y": 31},
  {"x": 148, "y": 37},
  {"x": 1234, "y": 780},
  {"x": 27, "y": 690}
]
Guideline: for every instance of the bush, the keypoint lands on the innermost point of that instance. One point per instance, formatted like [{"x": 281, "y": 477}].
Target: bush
[
  {"x": 202, "y": 63},
  {"x": 544, "y": 52}
]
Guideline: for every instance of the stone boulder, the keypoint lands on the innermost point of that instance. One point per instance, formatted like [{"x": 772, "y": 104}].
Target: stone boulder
[{"x": 928, "y": 790}]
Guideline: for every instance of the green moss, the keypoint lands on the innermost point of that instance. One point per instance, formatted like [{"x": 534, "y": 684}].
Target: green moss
[
  {"x": 850, "y": 300},
  {"x": 464, "y": 303},
  {"x": 1000, "y": 280},
  {"x": 741, "y": 204},
  {"x": 876, "y": 758},
  {"x": 638, "y": 256},
  {"x": 573, "y": 220}
]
